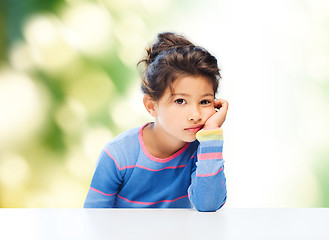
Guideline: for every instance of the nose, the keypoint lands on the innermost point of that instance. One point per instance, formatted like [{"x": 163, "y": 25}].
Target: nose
[{"x": 194, "y": 114}]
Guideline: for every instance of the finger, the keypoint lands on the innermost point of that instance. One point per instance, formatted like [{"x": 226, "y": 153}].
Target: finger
[{"x": 219, "y": 103}]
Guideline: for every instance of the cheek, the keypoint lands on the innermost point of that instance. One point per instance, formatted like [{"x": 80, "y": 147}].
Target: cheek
[{"x": 170, "y": 115}]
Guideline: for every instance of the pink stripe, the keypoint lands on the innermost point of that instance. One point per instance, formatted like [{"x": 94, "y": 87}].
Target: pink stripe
[
  {"x": 209, "y": 174},
  {"x": 96, "y": 190},
  {"x": 108, "y": 153},
  {"x": 160, "y": 160},
  {"x": 156, "y": 170},
  {"x": 116, "y": 164},
  {"x": 151, "y": 203},
  {"x": 131, "y": 166},
  {"x": 210, "y": 156}
]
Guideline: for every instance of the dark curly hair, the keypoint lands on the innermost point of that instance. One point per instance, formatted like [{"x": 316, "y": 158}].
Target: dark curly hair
[{"x": 173, "y": 56}]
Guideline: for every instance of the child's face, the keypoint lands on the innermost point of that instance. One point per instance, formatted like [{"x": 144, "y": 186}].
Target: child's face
[{"x": 183, "y": 112}]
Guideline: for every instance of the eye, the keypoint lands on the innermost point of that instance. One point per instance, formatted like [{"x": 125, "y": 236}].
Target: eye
[
  {"x": 180, "y": 101},
  {"x": 205, "y": 102}
]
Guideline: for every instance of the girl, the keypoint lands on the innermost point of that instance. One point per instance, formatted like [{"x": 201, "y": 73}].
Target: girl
[{"x": 175, "y": 161}]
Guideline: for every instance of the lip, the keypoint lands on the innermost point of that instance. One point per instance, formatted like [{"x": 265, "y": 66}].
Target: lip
[{"x": 194, "y": 128}]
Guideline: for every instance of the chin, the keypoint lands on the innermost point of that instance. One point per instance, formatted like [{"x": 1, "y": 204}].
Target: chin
[
  {"x": 187, "y": 137},
  {"x": 190, "y": 139}
]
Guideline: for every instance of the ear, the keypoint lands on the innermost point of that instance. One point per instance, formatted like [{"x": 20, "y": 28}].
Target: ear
[{"x": 150, "y": 105}]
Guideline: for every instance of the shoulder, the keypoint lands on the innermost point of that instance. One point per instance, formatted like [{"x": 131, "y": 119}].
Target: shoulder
[
  {"x": 124, "y": 147},
  {"x": 128, "y": 137},
  {"x": 126, "y": 141}
]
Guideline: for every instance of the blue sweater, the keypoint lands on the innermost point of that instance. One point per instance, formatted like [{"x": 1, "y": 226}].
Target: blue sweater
[{"x": 127, "y": 176}]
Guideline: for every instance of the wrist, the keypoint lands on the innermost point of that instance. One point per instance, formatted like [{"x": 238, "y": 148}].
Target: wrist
[{"x": 210, "y": 134}]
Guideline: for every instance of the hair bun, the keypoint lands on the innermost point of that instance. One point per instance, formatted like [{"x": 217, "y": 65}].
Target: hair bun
[
  {"x": 165, "y": 42},
  {"x": 171, "y": 57}
]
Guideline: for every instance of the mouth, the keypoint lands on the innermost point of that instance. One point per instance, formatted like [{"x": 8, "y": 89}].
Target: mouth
[{"x": 194, "y": 129}]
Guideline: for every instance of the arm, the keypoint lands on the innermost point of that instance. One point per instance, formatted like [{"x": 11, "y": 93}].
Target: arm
[
  {"x": 105, "y": 182},
  {"x": 208, "y": 188}
]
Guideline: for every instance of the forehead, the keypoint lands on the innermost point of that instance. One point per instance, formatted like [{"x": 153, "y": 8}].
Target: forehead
[{"x": 192, "y": 85}]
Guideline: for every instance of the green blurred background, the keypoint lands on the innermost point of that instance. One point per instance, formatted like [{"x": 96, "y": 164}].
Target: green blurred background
[{"x": 69, "y": 83}]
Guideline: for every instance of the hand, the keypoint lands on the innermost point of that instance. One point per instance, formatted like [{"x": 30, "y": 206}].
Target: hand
[{"x": 217, "y": 119}]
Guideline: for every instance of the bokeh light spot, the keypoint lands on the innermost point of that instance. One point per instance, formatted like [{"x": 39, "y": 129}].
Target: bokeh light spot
[
  {"x": 71, "y": 117},
  {"x": 22, "y": 107},
  {"x": 90, "y": 28},
  {"x": 14, "y": 171},
  {"x": 93, "y": 90},
  {"x": 46, "y": 37}
]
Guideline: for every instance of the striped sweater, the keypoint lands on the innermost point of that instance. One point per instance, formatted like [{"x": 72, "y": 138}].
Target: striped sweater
[{"x": 127, "y": 176}]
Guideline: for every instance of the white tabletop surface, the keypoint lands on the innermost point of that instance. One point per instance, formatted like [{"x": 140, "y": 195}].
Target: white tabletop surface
[{"x": 227, "y": 223}]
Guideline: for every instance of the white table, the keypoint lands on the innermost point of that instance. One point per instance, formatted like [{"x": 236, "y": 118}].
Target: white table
[{"x": 227, "y": 223}]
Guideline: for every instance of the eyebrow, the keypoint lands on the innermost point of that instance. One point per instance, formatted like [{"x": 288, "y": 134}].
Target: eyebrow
[{"x": 184, "y": 94}]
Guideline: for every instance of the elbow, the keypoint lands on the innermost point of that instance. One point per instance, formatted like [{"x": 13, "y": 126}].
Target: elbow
[
  {"x": 210, "y": 207},
  {"x": 205, "y": 209},
  {"x": 89, "y": 204}
]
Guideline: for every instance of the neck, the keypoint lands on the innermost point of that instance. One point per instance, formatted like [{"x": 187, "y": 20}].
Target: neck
[{"x": 159, "y": 143}]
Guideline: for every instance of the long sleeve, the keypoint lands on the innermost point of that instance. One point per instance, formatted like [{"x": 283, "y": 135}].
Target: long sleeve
[
  {"x": 105, "y": 183},
  {"x": 207, "y": 191}
]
